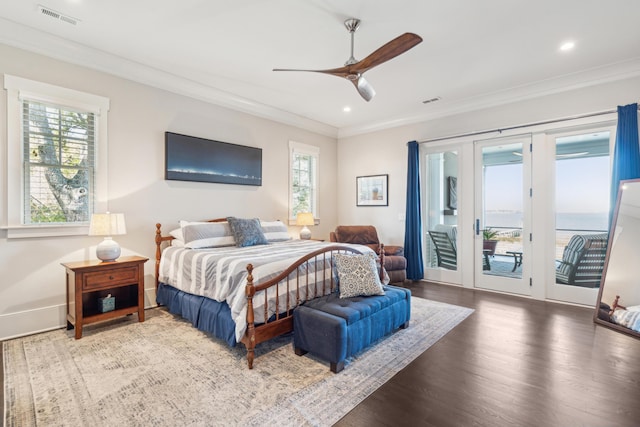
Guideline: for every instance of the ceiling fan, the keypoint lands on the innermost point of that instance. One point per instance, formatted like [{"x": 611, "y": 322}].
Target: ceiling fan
[{"x": 353, "y": 69}]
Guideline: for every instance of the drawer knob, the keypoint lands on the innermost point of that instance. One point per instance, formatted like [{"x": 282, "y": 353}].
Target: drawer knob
[{"x": 110, "y": 277}]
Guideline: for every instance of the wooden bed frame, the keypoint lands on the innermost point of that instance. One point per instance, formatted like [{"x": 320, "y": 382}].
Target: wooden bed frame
[{"x": 281, "y": 323}]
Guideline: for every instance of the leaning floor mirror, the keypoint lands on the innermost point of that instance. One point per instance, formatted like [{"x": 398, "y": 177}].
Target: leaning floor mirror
[{"x": 618, "y": 305}]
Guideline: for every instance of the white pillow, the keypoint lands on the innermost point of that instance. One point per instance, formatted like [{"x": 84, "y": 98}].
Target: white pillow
[
  {"x": 177, "y": 234},
  {"x": 358, "y": 275},
  {"x": 207, "y": 234},
  {"x": 177, "y": 243},
  {"x": 275, "y": 231}
]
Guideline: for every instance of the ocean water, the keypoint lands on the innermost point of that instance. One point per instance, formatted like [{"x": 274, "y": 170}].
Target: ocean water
[{"x": 592, "y": 221}]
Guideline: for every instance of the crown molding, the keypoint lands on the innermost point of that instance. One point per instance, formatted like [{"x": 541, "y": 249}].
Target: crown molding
[
  {"x": 592, "y": 77},
  {"x": 36, "y": 41}
]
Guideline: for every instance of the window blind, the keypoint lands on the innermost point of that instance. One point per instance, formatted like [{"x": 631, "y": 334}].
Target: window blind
[{"x": 59, "y": 163}]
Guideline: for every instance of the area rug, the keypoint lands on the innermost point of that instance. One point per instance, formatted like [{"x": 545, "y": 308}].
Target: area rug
[{"x": 164, "y": 372}]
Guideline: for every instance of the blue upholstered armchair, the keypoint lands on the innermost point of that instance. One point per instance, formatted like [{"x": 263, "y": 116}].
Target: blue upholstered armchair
[{"x": 583, "y": 260}]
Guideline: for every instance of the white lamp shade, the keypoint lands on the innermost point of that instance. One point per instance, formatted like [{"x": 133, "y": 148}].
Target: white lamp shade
[
  {"x": 107, "y": 224},
  {"x": 304, "y": 219}
]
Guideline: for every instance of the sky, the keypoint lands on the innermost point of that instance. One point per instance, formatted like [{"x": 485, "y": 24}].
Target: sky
[{"x": 582, "y": 185}]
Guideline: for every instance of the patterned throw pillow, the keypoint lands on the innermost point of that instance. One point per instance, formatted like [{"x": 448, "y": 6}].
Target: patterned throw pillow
[
  {"x": 358, "y": 275},
  {"x": 247, "y": 232}
]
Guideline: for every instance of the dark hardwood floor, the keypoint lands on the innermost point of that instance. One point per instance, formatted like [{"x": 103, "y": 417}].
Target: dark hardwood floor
[{"x": 513, "y": 362}]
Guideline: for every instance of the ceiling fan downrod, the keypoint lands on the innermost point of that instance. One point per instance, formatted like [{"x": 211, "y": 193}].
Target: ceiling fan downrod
[{"x": 352, "y": 25}]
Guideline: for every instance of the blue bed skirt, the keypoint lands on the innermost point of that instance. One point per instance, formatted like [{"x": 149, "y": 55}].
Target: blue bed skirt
[{"x": 205, "y": 314}]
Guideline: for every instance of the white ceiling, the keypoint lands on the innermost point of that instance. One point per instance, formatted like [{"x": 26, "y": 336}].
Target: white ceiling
[{"x": 474, "y": 54}]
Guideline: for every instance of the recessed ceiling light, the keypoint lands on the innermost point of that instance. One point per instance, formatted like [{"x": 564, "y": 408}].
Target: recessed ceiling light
[
  {"x": 346, "y": 109},
  {"x": 567, "y": 46}
]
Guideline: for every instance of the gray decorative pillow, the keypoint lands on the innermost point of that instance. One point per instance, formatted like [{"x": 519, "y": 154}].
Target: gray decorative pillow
[
  {"x": 206, "y": 234},
  {"x": 358, "y": 275},
  {"x": 247, "y": 232},
  {"x": 275, "y": 231}
]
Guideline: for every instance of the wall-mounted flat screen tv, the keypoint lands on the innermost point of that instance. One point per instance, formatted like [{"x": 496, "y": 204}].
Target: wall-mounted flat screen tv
[{"x": 189, "y": 158}]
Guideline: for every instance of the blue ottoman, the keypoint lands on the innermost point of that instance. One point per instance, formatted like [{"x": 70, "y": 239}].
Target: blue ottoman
[{"x": 333, "y": 329}]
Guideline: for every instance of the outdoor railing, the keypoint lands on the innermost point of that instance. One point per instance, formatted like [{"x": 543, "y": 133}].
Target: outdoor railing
[{"x": 510, "y": 238}]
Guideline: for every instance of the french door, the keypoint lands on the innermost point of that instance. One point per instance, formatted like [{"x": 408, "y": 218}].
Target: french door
[
  {"x": 481, "y": 194},
  {"x": 502, "y": 257},
  {"x": 577, "y": 245}
]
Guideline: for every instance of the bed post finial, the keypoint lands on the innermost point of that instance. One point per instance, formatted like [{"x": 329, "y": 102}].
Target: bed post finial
[{"x": 251, "y": 328}]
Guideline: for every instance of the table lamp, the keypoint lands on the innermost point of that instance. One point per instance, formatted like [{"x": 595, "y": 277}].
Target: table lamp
[
  {"x": 107, "y": 224},
  {"x": 304, "y": 219}
]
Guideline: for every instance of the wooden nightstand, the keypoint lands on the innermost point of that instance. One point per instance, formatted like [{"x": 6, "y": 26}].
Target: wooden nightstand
[{"x": 88, "y": 281}]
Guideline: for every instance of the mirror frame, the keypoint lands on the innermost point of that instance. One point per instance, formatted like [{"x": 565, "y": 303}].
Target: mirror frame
[{"x": 612, "y": 229}]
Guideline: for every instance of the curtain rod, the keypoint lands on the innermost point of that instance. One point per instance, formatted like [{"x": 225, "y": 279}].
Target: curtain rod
[{"x": 500, "y": 130}]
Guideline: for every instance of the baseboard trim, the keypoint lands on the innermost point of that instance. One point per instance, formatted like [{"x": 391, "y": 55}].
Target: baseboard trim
[
  {"x": 43, "y": 319},
  {"x": 29, "y": 322}
]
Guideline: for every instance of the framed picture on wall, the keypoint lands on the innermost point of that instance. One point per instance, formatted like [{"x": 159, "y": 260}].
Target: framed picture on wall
[{"x": 372, "y": 190}]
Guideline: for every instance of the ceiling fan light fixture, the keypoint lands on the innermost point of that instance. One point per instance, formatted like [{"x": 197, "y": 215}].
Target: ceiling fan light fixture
[{"x": 365, "y": 89}]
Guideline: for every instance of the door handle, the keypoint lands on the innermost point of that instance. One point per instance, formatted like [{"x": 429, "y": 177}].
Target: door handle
[{"x": 477, "y": 226}]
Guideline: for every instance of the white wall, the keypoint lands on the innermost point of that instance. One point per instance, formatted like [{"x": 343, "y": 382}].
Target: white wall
[
  {"x": 32, "y": 293},
  {"x": 385, "y": 151},
  {"x": 32, "y": 285}
]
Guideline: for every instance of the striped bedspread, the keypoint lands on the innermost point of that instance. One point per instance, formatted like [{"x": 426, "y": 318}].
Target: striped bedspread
[
  {"x": 629, "y": 318},
  {"x": 220, "y": 274}
]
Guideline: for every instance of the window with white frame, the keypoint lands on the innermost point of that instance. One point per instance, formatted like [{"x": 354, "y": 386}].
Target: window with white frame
[
  {"x": 56, "y": 158},
  {"x": 303, "y": 182}
]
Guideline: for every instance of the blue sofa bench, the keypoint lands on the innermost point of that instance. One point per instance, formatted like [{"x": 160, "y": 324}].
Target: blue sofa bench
[{"x": 333, "y": 329}]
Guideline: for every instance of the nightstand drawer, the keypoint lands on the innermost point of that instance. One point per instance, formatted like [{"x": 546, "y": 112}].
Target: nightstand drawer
[{"x": 99, "y": 279}]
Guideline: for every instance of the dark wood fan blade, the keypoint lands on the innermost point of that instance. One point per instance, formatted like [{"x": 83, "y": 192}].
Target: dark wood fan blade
[
  {"x": 340, "y": 72},
  {"x": 395, "y": 47},
  {"x": 353, "y": 72}
]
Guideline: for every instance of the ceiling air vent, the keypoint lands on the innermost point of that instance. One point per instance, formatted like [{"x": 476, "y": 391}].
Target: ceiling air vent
[
  {"x": 429, "y": 101},
  {"x": 57, "y": 15}
]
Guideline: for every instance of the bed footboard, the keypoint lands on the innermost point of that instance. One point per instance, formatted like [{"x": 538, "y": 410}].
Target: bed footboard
[{"x": 302, "y": 281}]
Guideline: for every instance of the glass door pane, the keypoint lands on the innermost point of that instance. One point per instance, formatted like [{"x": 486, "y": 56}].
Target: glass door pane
[
  {"x": 442, "y": 261},
  {"x": 582, "y": 188}
]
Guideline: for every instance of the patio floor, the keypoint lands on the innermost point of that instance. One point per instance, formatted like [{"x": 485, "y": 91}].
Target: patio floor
[{"x": 502, "y": 265}]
